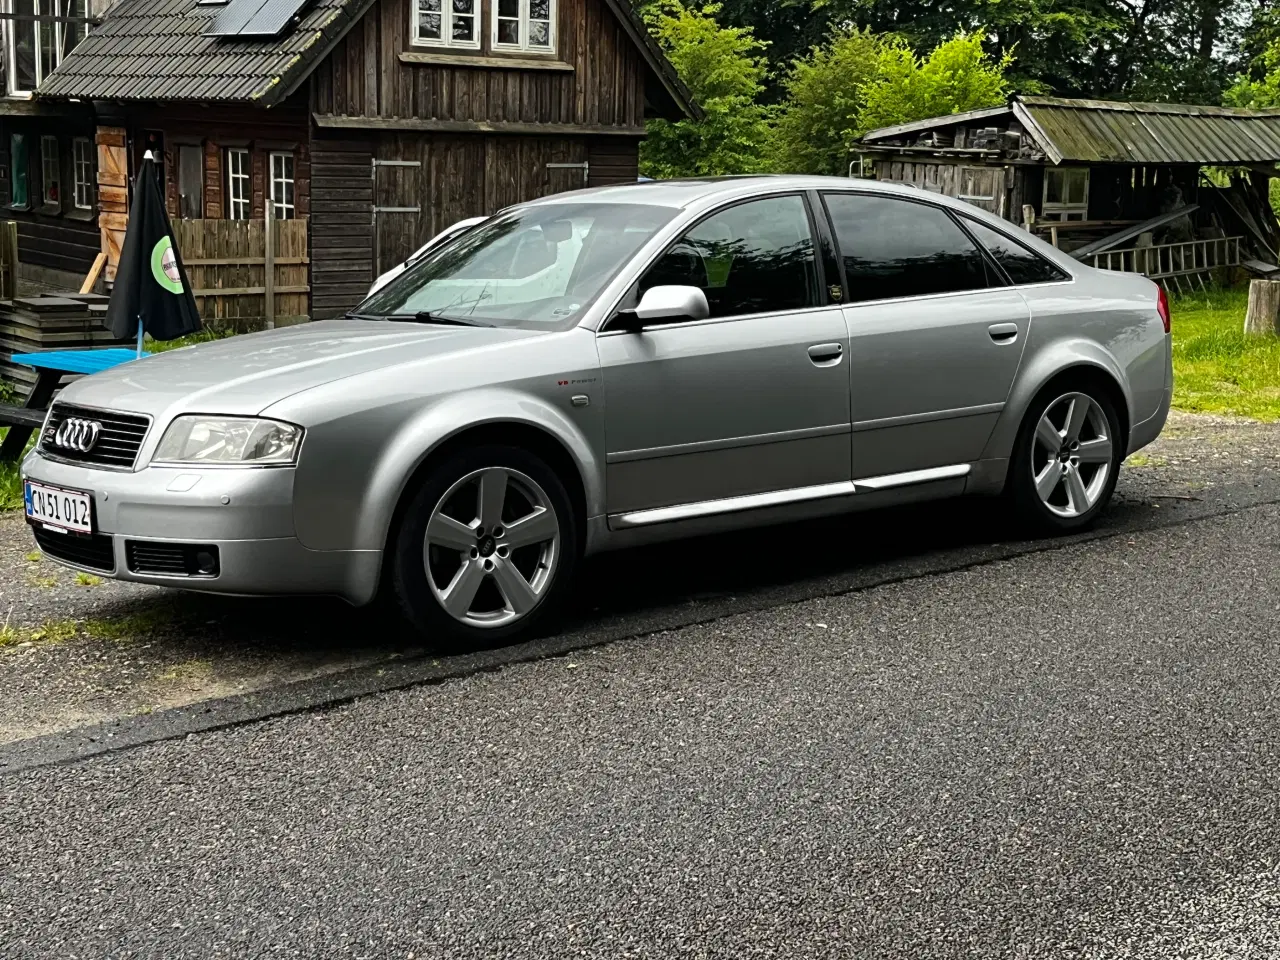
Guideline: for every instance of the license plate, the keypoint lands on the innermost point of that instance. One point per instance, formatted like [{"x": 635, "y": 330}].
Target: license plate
[{"x": 58, "y": 508}]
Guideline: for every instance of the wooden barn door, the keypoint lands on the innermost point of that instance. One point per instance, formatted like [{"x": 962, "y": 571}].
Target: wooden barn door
[
  {"x": 397, "y": 173},
  {"x": 983, "y": 187}
]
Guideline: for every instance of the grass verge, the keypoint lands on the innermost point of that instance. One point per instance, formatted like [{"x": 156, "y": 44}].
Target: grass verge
[{"x": 1216, "y": 368}]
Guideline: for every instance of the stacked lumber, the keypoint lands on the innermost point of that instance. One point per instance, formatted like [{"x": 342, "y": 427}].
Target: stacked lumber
[{"x": 63, "y": 321}]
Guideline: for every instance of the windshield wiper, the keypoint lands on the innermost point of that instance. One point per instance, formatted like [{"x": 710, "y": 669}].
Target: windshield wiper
[
  {"x": 359, "y": 316},
  {"x": 426, "y": 316}
]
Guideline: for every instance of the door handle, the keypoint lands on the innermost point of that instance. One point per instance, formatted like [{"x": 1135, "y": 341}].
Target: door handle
[
  {"x": 1003, "y": 332},
  {"x": 826, "y": 354}
]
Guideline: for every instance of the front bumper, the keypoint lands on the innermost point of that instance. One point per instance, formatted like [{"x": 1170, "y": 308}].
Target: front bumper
[{"x": 247, "y": 513}]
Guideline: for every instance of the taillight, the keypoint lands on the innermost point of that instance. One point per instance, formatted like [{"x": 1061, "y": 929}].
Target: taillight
[{"x": 1162, "y": 306}]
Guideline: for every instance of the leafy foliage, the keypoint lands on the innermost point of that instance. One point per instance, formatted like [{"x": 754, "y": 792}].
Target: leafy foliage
[
  {"x": 956, "y": 76},
  {"x": 724, "y": 68},
  {"x": 858, "y": 81}
]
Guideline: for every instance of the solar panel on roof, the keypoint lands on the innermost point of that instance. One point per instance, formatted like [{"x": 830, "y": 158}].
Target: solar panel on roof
[
  {"x": 233, "y": 18},
  {"x": 273, "y": 17},
  {"x": 254, "y": 18}
]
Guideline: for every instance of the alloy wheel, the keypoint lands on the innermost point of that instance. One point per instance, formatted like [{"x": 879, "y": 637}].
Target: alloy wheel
[
  {"x": 1071, "y": 455},
  {"x": 491, "y": 547}
]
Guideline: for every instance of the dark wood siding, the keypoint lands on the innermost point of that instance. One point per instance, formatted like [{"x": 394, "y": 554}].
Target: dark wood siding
[
  {"x": 54, "y": 236},
  {"x": 365, "y": 76},
  {"x": 215, "y": 128},
  {"x": 613, "y": 160},
  {"x": 341, "y": 225}
]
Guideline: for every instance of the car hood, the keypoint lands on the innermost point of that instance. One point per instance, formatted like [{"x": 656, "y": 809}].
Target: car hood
[{"x": 248, "y": 373}]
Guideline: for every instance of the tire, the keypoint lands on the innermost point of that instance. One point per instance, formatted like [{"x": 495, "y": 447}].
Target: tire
[
  {"x": 472, "y": 586},
  {"x": 1094, "y": 460}
]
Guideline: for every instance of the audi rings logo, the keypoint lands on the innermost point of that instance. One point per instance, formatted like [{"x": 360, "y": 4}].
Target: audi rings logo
[{"x": 74, "y": 434}]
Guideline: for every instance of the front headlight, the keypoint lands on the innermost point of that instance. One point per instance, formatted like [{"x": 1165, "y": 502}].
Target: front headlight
[{"x": 250, "y": 441}]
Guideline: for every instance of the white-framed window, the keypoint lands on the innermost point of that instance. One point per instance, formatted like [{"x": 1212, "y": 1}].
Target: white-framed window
[
  {"x": 32, "y": 48},
  {"x": 238, "y": 199},
  {"x": 446, "y": 23},
  {"x": 50, "y": 172},
  {"x": 527, "y": 25},
  {"x": 1066, "y": 193},
  {"x": 82, "y": 178},
  {"x": 282, "y": 185}
]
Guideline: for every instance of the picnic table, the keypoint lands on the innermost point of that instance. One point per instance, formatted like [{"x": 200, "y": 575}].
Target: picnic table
[{"x": 51, "y": 366}]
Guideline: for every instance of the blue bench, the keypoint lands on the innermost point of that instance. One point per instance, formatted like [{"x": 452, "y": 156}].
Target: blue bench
[{"x": 51, "y": 366}]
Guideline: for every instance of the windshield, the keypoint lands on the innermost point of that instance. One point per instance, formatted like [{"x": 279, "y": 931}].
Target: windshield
[{"x": 535, "y": 267}]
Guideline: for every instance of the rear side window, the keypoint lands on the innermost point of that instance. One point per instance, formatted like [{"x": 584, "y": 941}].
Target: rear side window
[
  {"x": 1018, "y": 262},
  {"x": 897, "y": 248}
]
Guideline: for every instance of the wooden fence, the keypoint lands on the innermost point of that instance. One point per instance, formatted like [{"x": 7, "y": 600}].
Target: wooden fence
[{"x": 240, "y": 281}]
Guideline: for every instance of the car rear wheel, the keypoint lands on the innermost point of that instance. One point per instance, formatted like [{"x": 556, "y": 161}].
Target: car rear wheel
[
  {"x": 1067, "y": 458},
  {"x": 486, "y": 550}
]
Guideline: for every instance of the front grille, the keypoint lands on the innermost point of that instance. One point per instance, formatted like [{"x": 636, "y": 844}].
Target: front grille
[
  {"x": 93, "y": 551},
  {"x": 118, "y": 442},
  {"x": 171, "y": 559}
]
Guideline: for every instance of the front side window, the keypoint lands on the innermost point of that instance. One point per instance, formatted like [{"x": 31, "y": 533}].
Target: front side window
[
  {"x": 537, "y": 267},
  {"x": 50, "y": 175},
  {"x": 18, "y": 195},
  {"x": 82, "y": 172},
  {"x": 1066, "y": 193},
  {"x": 1018, "y": 262},
  {"x": 282, "y": 185},
  {"x": 524, "y": 25},
  {"x": 899, "y": 248},
  {"x": 237, "y": 184},
  {"x": 33, "y": 48},
  {"x": 445, "y": 23},
  {"x": 755, "y": 257}
]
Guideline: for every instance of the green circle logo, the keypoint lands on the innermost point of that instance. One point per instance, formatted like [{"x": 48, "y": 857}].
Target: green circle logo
[{"x": 164, "y": 266}]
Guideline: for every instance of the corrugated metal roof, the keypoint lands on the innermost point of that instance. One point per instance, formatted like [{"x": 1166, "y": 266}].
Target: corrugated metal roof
[
  {"x": 1103, "y": 131},
  {"x": 157, "y": 51}
]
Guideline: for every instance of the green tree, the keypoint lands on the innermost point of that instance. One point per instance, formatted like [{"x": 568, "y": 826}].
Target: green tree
[
  {"x": 724, "y": 68},
  {"x": 819, "y": 117},
  {"x": 1258, "y": 92},
  {"x": 957, "y": 75}
]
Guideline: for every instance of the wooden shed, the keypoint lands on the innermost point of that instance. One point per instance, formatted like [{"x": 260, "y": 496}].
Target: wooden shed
[
  {"x": 376, "y": 123},
  {"x": 1169, "y": 190}
]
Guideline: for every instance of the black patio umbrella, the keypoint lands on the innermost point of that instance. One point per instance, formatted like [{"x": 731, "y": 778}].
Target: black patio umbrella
[{"x": 151, "y": 291}]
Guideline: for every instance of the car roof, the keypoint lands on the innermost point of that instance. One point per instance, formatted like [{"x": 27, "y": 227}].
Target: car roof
[{"x": 695, "y": 191}]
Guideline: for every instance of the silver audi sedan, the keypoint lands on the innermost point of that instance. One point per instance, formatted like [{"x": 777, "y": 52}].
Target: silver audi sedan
[{"x": 605, "y": 368}]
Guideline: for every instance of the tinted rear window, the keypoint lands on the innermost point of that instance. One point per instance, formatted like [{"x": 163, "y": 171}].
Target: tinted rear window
[
  {"x": 899, "y": 248},
  {"x": 1018, "y": 262}
]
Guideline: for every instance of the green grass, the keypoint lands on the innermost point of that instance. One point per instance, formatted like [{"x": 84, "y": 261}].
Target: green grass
[
  {"x": 1216, "y": 368},
  {"x": 204, "y": 336}
]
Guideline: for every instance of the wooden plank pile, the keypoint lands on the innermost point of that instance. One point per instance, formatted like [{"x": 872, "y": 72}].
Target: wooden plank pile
[{"x": 62, "y": 321}]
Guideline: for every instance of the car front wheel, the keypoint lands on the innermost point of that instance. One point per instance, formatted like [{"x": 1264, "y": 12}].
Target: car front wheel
[
  {"x": 486, "y": 549},
  {"x": 1066, "y": 459}
]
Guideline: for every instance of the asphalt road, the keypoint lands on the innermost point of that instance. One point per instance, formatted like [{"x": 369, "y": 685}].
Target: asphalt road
[{"x": 982, "y": 749}]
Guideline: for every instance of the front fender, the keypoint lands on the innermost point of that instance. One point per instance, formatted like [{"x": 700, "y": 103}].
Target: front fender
[
  {"x": 344, "y": 500},
  {"x": 1046, "y": 363}
]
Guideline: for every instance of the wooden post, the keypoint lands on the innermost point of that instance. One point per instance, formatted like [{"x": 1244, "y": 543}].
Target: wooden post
[
  {"x": 1053, "y": 236},
  {"x": 1264, "y": 305},
  {"x": 1028, "y": 217},
  {"x": 269, "y": 285},
  {"x": 9, "y": 260},
  {"x": 99, "y": 262}
]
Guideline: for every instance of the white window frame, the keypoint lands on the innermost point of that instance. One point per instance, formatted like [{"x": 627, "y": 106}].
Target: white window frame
[
  {"x": 82, "y": 172},
  {"x": 49, "y": 152},
  {"x": 283, "y": 210},
  {"x": 54, "y": 8},
  {"x": 523, "y": 46},
  {"x": 1059, "y": 212},
  {"x": 239, "y": 193},
  {"x": 446, "y": 27}
]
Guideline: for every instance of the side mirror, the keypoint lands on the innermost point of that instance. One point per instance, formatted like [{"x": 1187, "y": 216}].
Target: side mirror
[{"x": 670, "y": 304}]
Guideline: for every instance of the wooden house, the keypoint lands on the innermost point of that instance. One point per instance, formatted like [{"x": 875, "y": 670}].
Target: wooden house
[
  {"x": 376, "y": 122},
  {"x": 1169, "y": 190}
]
